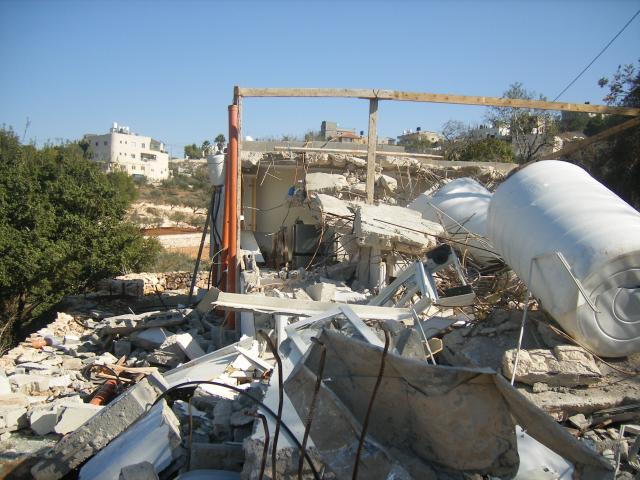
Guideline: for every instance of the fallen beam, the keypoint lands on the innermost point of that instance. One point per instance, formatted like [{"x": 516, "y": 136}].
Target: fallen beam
[
  {"x": 255, "y": 303},
  {"x": 598, "y": 137}
]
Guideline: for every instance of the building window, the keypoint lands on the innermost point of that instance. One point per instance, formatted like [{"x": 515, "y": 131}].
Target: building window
[
  {"x": 105, "y": 142},
  {"x": 96, "y": 144},
  {"x": 143, "y": 145},
  {"x": 133, "y": 155}
]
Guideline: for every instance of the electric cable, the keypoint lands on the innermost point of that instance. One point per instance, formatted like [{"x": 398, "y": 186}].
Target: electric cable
[
  {"x": 242, "y": 392},
  {"x": 598, "y": 55}
]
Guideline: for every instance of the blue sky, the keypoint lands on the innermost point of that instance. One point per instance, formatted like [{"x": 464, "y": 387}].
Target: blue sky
[{"x": 167, "y": 68}]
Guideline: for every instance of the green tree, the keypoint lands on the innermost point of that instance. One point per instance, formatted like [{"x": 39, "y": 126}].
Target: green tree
[
  {"x": 616, "y": 161},
  {"x": 573, "y": 121},
  {"x": 417, "y": 145},
  {"x": 488, "y": 150},
  {"x": 192, "y": 151},
  {"x": 220, "y": 140},
  {"x": 61, "y": 229},
  {"x": 532, "y": 131},
  {"x": 206, "y": 147},
  {"x": 124, "y": 184}
]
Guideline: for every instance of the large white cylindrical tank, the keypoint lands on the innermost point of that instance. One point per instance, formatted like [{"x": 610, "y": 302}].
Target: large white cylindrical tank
[
  {"x": 554, "y": 206},
  {"x": 461, "y": 207},
  {"x": 216, "y": 166}
]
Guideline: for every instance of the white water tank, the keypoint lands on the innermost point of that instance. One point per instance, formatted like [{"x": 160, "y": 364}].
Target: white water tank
[
  {"x": 216, "y": 166},
  {"x": 554, "y": 206},
  {"x": 461, "y": 207}
]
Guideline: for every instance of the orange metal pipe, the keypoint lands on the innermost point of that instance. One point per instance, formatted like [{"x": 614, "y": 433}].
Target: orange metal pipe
[
  {"x": 232, "y": 168},
  {"x": 104, "y": 392}
]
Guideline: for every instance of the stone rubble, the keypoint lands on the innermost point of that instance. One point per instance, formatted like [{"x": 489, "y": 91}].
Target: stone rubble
[{"x": 48, "y": 381}]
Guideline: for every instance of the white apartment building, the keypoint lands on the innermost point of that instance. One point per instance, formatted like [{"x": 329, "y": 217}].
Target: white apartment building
[{"x": 135, "y": 154}]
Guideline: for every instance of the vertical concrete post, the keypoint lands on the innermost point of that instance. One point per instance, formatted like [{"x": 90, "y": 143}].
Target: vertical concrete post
[{"x": 371, "y": 148}]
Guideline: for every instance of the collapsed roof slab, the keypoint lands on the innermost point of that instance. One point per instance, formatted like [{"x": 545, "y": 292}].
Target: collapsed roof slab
[
  {"x": 435, "y": 421},
  {"x": 395, "y": 228}
]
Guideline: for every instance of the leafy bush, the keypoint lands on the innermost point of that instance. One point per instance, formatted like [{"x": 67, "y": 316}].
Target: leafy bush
[{"x": 62, "y": 228}]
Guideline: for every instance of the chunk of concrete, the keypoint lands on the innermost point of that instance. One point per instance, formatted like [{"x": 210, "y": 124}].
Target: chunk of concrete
[
  {"x": 222, "y": 418},
  {"x": 150, "y": 338},
  {"x": 222, "y": 456},
  {"x": 139, "y": 471},
  {"x": 101, "y": 429},
  {"x": 122, "y": 348},
  {"x": 579, "y": 421},
  {"x": 566, "y": 366},
  {"x": 189, "y": 346},
  {"x": 155, "y": 438},
  {"x": 13, "y": 412},
  {"x": 320, "y": 182},
  {"x": 389, "y": 184},
  {"x": 30, "y": 383},
  {"x": 322, "y": 292},
  {"x": 74, "y": 416},
  {"x": 395, "y": 228},
  {"x": 43, "y": 421},
  {"x": 166, "y": 358}
]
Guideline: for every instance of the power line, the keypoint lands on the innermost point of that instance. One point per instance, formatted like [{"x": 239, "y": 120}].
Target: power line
[{"x": 598, "y": 56}]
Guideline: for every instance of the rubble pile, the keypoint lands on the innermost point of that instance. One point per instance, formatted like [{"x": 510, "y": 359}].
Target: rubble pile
[
  {"x": 414, "y": 352},
  {"x": 398, "y": 179}
]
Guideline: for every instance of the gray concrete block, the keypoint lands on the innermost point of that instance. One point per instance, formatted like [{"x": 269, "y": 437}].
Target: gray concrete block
[{"x": 95, "y": 434}]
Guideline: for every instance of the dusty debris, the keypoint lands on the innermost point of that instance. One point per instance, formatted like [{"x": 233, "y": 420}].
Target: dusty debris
[
  {"x": 565, "y": 365},
  {"x": 380, "y": 290}
]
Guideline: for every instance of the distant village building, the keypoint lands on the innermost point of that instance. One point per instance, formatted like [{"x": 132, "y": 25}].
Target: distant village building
[
  {"x": 137, "y": 155},
  {"x": 409, "y": 136},
  {"x": 331, "y": 131},
  {"x": 486, "y": 131}
]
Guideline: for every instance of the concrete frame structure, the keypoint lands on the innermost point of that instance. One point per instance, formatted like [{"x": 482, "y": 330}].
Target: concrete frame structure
[
  {"x": 138, "y": 155},
  {"x": 373, "y": 96}
]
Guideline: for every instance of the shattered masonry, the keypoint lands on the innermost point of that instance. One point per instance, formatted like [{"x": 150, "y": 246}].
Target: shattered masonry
[{"x": 415, "y": 294}]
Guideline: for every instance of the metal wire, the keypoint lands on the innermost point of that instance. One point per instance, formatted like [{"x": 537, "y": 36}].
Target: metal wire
[
  {"x": 365, "y": 424},
  {"x": 242, "y": 392}
]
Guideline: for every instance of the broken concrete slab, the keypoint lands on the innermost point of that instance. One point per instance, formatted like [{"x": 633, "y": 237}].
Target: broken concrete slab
[
  {"x": 189, "y": 345},
  {"x": 43, "y": 421},
  {"x": 395, "y": 228},
  {"x": 74, "y": 416},
  {"x": 154, "y": 438},
  {"x": 566, "y": 366},
  {"x": 150, "y": 338},
  {"x": 420, "y": 403},
  {"x": 13, "y": 412},
  {"x": 101, "y": 429},
  {"x": 322, "y": 292},
  {"x": 483, "y": 344},
  {"x": 241, "y": 302},
  {"x": 30, "y": 383},
  {"x": 319, "y": 182},
  {"x": 138, "y": 471}
]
